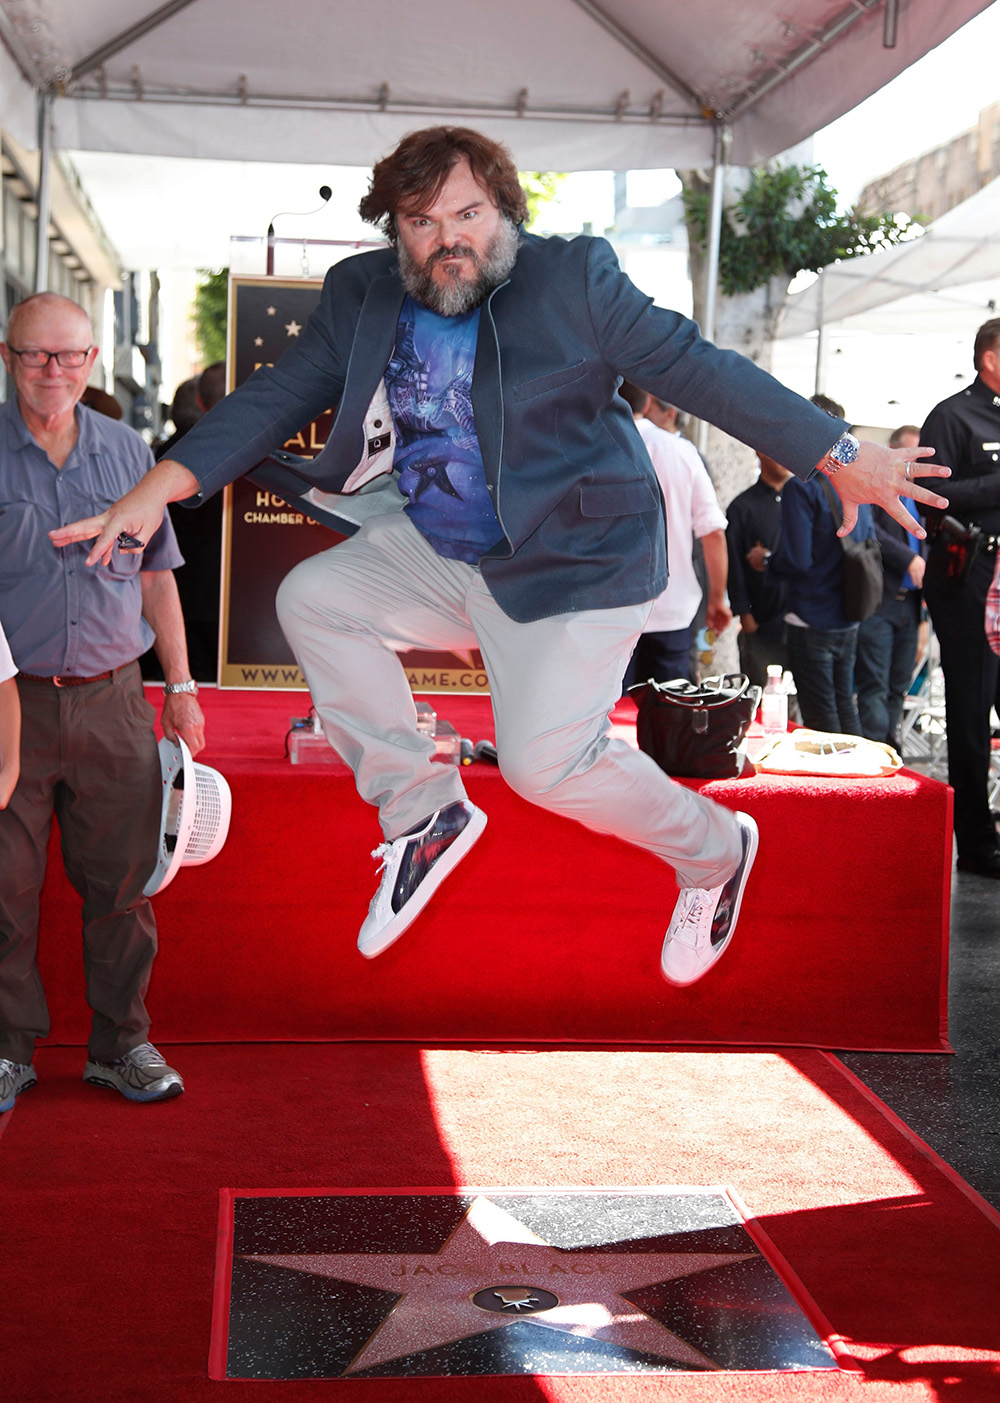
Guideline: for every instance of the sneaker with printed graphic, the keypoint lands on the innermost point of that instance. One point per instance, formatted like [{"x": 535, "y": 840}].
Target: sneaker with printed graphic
[
  {"x": 704, "y": 918},
  {"x": 413, "y": 867}
]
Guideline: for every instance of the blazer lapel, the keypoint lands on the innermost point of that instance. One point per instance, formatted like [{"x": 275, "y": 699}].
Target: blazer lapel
[{"x": 374, "y": 338}]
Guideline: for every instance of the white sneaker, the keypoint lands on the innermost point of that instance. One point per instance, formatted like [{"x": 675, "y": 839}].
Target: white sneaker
[
  {"x": 413, "y": 867},
  {"x": 704, "y": 919}
]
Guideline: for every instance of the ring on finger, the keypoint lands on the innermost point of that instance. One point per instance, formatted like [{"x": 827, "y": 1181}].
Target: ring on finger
[{"x": 908, "y": 467}]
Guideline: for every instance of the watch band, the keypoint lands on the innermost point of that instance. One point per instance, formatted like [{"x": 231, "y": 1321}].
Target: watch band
[{"x": 171, "y": 688}]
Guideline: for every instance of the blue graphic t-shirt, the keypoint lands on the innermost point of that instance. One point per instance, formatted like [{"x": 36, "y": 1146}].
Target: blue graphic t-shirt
[{"x": 440, "y": 467}]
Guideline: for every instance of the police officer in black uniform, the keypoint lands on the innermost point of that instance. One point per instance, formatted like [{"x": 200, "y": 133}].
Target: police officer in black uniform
[{"x": 965, "y": 433}]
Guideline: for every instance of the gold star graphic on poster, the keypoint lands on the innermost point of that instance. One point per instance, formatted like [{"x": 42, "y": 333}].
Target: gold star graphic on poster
[
  {"x": 292, "y": 328},
  {"x": 272, "y": 311},
  {"x": 494, "y": 1269},
  {"x": 258, "y": 340}
]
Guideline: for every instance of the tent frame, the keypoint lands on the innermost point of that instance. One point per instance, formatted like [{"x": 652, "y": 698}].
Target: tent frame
[{"x": 72, "y": 84}]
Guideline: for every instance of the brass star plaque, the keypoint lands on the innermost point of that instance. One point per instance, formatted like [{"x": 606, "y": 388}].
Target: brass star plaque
[{"x": 475, "y": 1282}]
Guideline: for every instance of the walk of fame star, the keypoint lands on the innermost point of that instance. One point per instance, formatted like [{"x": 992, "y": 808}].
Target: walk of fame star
[
  {"x": 491, "y": 1249},
  {"x": 473, "y": 1282}
]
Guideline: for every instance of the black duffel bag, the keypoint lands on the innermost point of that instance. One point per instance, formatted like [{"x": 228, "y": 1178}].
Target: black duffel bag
[{"x": 696, "y": 729}]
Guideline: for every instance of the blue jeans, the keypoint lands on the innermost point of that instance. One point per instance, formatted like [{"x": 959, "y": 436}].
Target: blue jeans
[
  {"x": 822, "y": 663},
  {"x": 883, "y": 668}
]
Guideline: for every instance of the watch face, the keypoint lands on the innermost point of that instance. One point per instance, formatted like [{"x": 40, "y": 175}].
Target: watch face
[{"x": 845, "y": 450}]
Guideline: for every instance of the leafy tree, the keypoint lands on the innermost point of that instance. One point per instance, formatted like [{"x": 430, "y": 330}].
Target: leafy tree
[
  {"x": 785, "y": 221},
  {"x": 210, "y": 314},
  {"x": 776, "y": 221},
  {"x": 540, "y": 188}
]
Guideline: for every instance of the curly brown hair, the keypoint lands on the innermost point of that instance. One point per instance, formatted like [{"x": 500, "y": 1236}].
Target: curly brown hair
[{"x": 414, "y": 174}]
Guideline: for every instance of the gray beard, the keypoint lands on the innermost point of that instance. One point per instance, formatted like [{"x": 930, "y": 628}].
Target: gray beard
[{"x": 459, "y": 295}]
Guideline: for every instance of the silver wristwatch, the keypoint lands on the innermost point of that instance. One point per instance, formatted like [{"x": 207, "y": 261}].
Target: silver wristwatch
[
  {"x": 171, "y": 688},
  {"x": 844, "y": 451}
]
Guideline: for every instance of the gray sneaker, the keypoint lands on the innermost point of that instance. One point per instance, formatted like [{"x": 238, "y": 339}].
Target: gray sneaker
[
  {"x": 15, "y": 1077},
  {"x": 141, "y": 1075}
]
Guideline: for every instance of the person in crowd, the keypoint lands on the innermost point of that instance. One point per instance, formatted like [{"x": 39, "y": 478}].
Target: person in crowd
[
  {"x": 751, "y": 537},
  {"x": 663, "y": 651},
  {"x": 809, "y": 560},
  {"x": 88, "y": 751},
  {"x": 670, "y": 419},
  {"x": 673, "y": 422},
  {"x": 10, "y": 723},
  {"x": 95, "y": 398},
  {"x": 522, "y": 517},
  {"x": 211, "y": 386},
  {"x": 965, "y": 433},
  {"x": 887, "y": 640},
  {"x": 185, "y": 411},
  {"x": 199, "y": 537}
]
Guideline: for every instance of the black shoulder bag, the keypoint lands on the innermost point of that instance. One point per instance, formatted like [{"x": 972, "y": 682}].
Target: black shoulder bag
[
  {"x": 862, "y": 565},
  {"x": 696, "y": 730}
]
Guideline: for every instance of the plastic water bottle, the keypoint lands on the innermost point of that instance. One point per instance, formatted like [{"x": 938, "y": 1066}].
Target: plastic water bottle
[{"x": 774, "y": 703}]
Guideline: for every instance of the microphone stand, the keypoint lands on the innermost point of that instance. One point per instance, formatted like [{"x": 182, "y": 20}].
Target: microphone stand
[{"x": 324, "y": 193}]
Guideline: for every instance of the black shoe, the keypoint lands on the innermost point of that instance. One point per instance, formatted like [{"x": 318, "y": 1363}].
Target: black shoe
[{"x": 986, "y": 866}]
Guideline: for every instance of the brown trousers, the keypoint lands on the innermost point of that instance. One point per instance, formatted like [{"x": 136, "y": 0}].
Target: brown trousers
[{"x": 89, "y": 755}]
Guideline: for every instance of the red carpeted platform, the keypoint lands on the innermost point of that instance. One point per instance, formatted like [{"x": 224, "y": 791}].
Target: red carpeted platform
[
  {"x": 546, "y": 933},
  {"x": 109, "y": 1239}
]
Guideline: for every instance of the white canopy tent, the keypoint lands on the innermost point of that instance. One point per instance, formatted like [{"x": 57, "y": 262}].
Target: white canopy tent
[
  {"x": 896, "y": 328},
  {"x": 961, "y": 248},
  {"x": 569, "y": 84}
]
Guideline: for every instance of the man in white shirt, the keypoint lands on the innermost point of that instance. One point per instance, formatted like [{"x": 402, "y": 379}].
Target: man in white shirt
[
  {"x": 692, "y": 510},
  {"x": 669, "y": 418}
]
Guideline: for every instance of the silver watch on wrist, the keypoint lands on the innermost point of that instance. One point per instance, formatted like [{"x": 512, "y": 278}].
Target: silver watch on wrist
[
  {"x": 844, "y": 451},
  {"x": 172, "y": 688}
]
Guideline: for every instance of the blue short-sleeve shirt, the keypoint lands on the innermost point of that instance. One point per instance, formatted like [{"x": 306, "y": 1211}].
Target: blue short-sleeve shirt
[{"x": 61, "y": 617}]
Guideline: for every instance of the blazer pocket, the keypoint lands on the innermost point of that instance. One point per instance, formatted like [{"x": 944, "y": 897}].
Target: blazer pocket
[
  {"x": 543, "y": 384},
  {"x": 618, "y": 498}
]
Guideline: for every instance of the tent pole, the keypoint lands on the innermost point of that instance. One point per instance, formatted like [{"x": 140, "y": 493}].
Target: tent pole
[
  {"x": 820, "y": 384},
  {"x": 720, "y": 151},
  {"x": 44, "y": 196}
]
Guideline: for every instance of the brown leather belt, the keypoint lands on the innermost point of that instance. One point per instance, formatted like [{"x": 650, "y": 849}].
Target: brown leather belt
[{"x": 69, "y": 681}]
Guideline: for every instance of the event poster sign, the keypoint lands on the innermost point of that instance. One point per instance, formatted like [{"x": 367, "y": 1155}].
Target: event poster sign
[{"x": 264, "y": 538}]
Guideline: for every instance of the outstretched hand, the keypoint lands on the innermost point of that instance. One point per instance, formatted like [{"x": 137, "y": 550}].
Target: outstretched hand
[
  {"x": 138, "y": 514},
  {"x": 881, "y": 476}
]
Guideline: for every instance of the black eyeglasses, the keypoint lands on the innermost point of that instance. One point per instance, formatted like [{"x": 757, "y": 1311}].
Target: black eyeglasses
[{"x": 38, "y": 360}]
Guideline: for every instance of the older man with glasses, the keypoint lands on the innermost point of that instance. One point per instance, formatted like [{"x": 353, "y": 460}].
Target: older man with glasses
[{"x": 88, "y": 751}]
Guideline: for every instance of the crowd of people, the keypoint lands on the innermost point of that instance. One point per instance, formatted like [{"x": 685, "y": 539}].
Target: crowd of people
[{"x": 524, "y": 516}]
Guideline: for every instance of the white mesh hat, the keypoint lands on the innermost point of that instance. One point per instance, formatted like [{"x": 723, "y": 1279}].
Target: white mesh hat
[{"x": 194, "y": 819}]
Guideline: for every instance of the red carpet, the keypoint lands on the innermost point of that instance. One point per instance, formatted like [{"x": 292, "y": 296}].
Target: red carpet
[
  {"x": 111, "y": 1209},
  {"x": 842, "y": 939}
]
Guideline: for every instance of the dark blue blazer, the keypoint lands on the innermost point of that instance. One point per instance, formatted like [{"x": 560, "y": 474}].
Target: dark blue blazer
[{"x": 571, "y": 481}]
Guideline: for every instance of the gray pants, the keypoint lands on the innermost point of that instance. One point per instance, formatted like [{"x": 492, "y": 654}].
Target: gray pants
[
  {"x": 552, "y": 685},
  {"x": 88, "y": 754}
]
